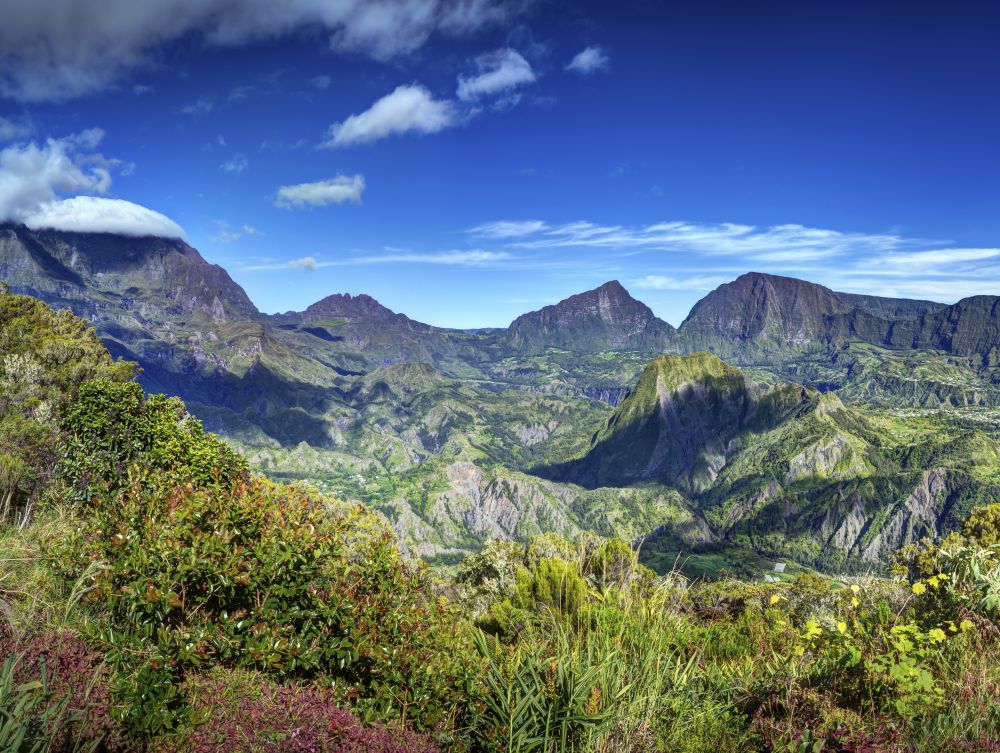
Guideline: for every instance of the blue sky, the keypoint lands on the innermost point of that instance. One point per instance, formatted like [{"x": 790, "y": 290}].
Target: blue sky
[{"x": 467, "y": 160}]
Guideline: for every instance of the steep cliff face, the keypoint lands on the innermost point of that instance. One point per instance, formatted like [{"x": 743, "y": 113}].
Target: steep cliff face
[
  {"x": 606, "y": 318},
  {"x": 477, "y": 505},
  {"x": 758, "y": 315},
  {"x": 765, "y": 311},
  {"x": 970, "y": 327},
  {"x": 106, "y": 277}
]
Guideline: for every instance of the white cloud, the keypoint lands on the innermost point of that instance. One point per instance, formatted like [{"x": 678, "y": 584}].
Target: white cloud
[
  {"x": 226, "y": 233},
  {"x": 778, "y": 243},
  {"x": 590, "y": 60},
  {"x": 886, "y": 264},
  {"x": 322, "y": 83},
  {"x": 508, "y": 228},
  {"x": 334, "y": 191},
  {"x": 88, "y": 214},
  {"x": 240, "y": 93},
  {"x": 472, "y": 258},
  {"x": 405, "y": 109},
  {"x": 200, "y": 106},
  {"x": 235, "y": 165},
  {"x": 33, "y": 178},
  {"x": 933, "y": 259},
  {"x": 306, "y": 262},
  {"x": 475, "y": 258},
  {"x": 59, "y": 49},
  {"x": 11, "y": 130},
  {"x": 666, "y": 282},
  {"x": 498, "y": 72}
]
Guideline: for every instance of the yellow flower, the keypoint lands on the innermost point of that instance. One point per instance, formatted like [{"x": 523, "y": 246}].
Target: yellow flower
[
  {"x": 813, "y": 629},
  {"x": 943, "y": 576},
  {"x": 855, "y": 602},
  {"x": 799, "y": 650},
  {"x": 933, "y": 581},
  {"x": 842, "y": 627},
  {"x": 919, "y": 588},
  {"x": 965, "y": 625},
  {"x": 776, "y": 598},
  {"x": 952, "y": 628},
  {"x": 937, "y": 635},
  {"x": 855, "y": 588}
]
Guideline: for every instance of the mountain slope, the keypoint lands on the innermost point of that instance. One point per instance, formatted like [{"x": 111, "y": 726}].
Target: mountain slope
[
  {"x": 782, "y": 468},
  {"x": 684, "y": 421}
]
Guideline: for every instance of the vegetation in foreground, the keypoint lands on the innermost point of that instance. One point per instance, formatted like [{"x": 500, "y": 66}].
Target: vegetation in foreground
[{"x": 158, "y": 596}]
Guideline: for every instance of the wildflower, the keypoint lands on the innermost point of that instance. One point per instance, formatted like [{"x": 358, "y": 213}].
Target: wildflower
[
  {"x": 965, "y": 625},
  {"x": 855, "y": 588},
  {"x": 842, "y": 627},
  {"x": 919, "y": 588},
  {"x": 776, "y": 598},
  {"x": 936, "y": 635},
  {"x": 855, "y": 602},
  {"x": 933, "y": 581},
  {"x": 594, "y": 702},
  {"x": 813, "y": 629}
]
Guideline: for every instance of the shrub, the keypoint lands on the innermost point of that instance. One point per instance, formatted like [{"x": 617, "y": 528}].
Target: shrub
[
  {"x": 47, "y": 355},
  {"x": 272, "y": 578},
  {"x": 982, "y": 527},
  {"x": 114, "y": 435}
]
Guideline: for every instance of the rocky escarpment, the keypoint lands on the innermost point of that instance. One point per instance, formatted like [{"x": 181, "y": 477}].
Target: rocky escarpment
[{"x": 760, "y": 315}]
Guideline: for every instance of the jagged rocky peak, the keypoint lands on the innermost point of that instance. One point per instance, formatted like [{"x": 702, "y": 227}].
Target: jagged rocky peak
[
  {"x": 611, "y": 303},
  {"x": 605, "y": 318},
  {"x": 350, "y": 307}
]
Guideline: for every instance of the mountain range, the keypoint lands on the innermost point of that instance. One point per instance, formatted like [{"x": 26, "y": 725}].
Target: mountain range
[{"x": 590, "y": 414}]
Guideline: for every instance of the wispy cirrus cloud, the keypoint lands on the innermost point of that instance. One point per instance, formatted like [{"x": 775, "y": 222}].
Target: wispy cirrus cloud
[
  {"x": 668, "y": 282},
  {"x": 777, "y": 243},
  {"x": 452, "y": 258},
  {"x": 200, "y": 106},
  {"x": 237, "y": 164},
  {"x": 689, "y": 256}
]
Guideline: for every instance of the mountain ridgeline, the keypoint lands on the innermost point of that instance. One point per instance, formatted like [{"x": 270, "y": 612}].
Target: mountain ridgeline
[{"x": 740, "y": 428}]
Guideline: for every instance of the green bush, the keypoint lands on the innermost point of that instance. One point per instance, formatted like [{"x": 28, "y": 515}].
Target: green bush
[
  {"x": 115, "y": 435},
  {"x": 272, "y": 578}
]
